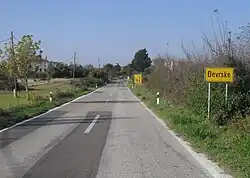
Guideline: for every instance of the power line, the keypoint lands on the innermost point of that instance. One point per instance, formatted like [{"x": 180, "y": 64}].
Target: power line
[
  {"x": 67, "y": 60},
  {"x": 16, "y": 39},
  {"x": 99, "y": 65},
  {"x": 2, "y": 41},
  {"x": 78, "y": 62}
]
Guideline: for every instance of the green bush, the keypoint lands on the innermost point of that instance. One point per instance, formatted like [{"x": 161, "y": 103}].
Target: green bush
[
  {"x": 33, "y": 99},
  {"x": 3, "y": 113},
  {"x": 86, "y": 82},
  {"x": 67, "y": 94}
]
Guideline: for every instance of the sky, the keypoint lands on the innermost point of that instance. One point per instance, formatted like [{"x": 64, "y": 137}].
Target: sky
[{"x": 114, "y": 30}]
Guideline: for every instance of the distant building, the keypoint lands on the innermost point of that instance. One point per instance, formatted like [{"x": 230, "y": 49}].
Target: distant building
[{"x": 40, "y": 64}]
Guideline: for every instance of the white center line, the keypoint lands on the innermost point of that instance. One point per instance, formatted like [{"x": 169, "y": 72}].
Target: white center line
[{"x": 92, "y": 124}]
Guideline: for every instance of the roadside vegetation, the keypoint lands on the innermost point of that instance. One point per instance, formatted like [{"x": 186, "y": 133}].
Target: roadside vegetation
[
  {"x": 24, "y": 69},
  {"x": 7, "y": 100},
  {"x": 225, "y": 137}
]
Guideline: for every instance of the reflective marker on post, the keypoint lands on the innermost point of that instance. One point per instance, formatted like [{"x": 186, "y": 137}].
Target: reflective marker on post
[{"x": 157, "y": 98}]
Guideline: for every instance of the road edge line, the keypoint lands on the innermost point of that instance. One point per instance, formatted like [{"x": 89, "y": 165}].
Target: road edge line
[
  {"x": 202, "y": 159},
  {"x": 50, "y": 110}
]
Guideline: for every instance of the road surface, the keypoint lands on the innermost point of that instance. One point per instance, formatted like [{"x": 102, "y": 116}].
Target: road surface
[{"x": 107, "y": 134}]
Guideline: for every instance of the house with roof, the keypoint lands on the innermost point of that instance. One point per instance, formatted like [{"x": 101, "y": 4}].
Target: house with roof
[{"x": 40, "y": 65}]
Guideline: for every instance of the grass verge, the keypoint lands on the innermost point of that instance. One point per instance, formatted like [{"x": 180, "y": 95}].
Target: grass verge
[
  {"x": 37, "y": 105},
  {"x": 228, "y": 145},
  {"x": 7, "y": 100}
]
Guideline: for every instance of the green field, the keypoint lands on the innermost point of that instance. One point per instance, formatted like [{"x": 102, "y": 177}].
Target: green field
[{"x": 7, "y": 100}]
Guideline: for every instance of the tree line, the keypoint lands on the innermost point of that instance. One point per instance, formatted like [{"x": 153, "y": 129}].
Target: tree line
[{"x": 23, "y": 60}]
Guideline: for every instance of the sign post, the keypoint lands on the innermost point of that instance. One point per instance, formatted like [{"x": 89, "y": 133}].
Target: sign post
[
  {"x": 208, "y": 100},
  {"x": 226, "y": 93},
  {"x": 218, "y": 75}
]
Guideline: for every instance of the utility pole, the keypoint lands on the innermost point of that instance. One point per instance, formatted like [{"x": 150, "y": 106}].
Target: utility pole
[
  {"x": 74, "y": 65},
  {"x": 99, "y": 65},
  {"x": 13, "y": 59}
]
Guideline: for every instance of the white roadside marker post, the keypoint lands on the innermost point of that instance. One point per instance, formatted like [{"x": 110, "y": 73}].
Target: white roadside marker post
[
  {"x": 96, "y": 85},
  {"x": 14, "y": 92},
  {"x": 157, "y": 98},
  {"x": 50, "y": 96}
]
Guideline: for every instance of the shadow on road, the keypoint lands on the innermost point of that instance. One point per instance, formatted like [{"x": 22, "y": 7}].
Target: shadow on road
[
  {"x": 16, "y": 133},
  {"x": 68, "y": 120},
  {"x": 98, "y": 91},
  {"x": 116, "y": 101},
  {"x": 112, "y": 82},
  {"x": 123, "y": 88}
]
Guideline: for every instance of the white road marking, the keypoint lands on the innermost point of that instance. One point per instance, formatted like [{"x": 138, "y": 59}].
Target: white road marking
[
  {"x": 53, "y": 109},
  {"x": 92, "y": 124}
]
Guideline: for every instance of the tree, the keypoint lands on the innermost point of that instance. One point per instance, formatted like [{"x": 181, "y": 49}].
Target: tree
[
  {"x": 50, "y": 71},
  {"x": 141, "y": 60},
  {"x": 80, "y": 71},
  {"x": 7, "y": 63},
  {"x": 117, "y": 68},
  {"x": 60, "y": 70},
  {"x": 89, "y": 67},
  {"x": 6, "y": 82},
  {"x": 2, "y": 67},
  {"x": 25, "y": 52},
  {"x": 109, "y": 69},
  {"x": 127, "y": 70}
]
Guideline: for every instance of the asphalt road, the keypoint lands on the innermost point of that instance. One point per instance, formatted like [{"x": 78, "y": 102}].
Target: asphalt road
[{"x": 107, "y": 134}]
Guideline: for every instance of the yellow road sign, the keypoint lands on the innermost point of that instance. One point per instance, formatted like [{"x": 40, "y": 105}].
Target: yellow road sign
[
  {"x": 219, "y": 74},
  {"x": 138, "y": 78}
]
